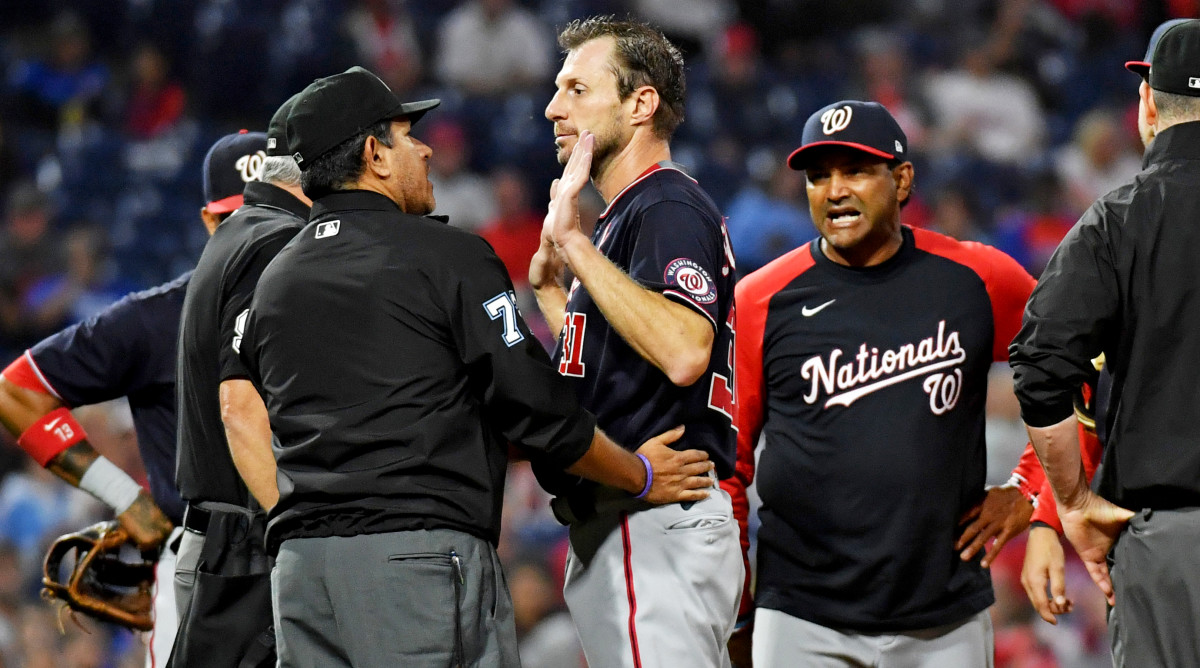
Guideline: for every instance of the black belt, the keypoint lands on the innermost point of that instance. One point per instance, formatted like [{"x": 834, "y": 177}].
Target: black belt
[{"x": 195, "y": 518}]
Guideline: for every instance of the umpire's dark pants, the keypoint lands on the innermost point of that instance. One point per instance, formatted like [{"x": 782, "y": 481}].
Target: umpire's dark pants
[
  {"x": 418, "y": 599},
  {"x": 1155, "y": 571}
]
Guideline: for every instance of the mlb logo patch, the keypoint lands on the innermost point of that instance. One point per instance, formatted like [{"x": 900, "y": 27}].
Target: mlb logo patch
[
  {"x": 328, "y": 229},
  {"x": 1194, "y": 82}
]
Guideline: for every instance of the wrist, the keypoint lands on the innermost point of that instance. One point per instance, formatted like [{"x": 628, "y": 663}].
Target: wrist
[
  {"x": 572, "y": 244},
  {"x": 649, "y": 476}
]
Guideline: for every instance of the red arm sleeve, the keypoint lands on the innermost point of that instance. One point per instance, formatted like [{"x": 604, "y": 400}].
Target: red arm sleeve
[
  {"x": 1008, "y": 284},
  {"x": 1029, "y": 475}
]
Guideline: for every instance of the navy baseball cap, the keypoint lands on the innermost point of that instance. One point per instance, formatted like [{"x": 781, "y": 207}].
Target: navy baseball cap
[
  {"x": 277, "y": 143},
  {"x": 866, "y": 126},
  {"x": 230, "y": 164},
  {"x": 335, "y": 108},
  {"x": 1142, "y": 67}
]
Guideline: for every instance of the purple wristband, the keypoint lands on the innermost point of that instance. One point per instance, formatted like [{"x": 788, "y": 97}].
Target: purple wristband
[{"x": 649, "y": 476}]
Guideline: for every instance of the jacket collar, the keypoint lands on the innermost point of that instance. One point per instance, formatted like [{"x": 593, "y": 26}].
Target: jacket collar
[
  {"x": 258, "y": 193},
  {"x": 362, "y": 200},
  {"x": 1178, "y": 142}
]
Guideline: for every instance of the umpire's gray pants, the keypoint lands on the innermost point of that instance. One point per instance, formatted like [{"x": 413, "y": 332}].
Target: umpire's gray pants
[
  {"x": 418, "y": 599},
  {"x": 1156, "y": 580}
]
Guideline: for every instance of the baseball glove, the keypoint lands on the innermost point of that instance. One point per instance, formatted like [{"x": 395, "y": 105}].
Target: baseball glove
[{"x": 101, "y": 584}]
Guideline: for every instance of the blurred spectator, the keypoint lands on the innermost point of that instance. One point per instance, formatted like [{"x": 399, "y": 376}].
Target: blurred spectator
[
  {"x": 491, "y": 47},
  {"x": 717, "y": 99},
  {"x": 690, "y": 25},
  {"x": 83, "y": 287},
  {"x": 516, "y": 230},
  {"x": 544, "y": 629},
  {"x": 155, "y": 102},
  {"x": 36, "y": 506},
  {"x": 956, "y": 214},
  {"x": 985, "y": 112},
  {"x": 1030, "y": 232},
  {"x": 886, "y": 76},
  {"x": 461, "y": 194},
  {"x": 58, "y": 91},
  {"x": 1100, "y": 158},
  {"x": 28, "y": 253},
  {"x": 766, "y": 220},
  {"x": 386, "y": 42}
]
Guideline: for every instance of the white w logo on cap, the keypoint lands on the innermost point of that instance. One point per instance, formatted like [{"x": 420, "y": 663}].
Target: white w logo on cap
[{"x": 836, "y": 120}]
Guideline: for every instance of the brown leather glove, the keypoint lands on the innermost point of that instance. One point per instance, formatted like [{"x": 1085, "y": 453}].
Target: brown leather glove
[{"x": 102, "y": 584}]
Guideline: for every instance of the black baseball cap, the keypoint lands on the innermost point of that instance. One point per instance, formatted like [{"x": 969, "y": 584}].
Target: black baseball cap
[
  {"x": 277, "y": 143},
  {"x": 229, "y": 165},
  {"x": 866, "y": 126},
  {"x": 335, "y": 108},
  {"x": 1172, "y": 62}
]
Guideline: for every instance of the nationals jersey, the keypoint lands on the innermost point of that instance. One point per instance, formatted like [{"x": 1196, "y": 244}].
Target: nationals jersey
[
  {"x": 869, "y": 385},
  {"x": 666, "y": 233}
]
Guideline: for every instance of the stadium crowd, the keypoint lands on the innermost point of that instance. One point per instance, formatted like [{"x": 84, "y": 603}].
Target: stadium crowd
[{"x": 1019, "y": 112}]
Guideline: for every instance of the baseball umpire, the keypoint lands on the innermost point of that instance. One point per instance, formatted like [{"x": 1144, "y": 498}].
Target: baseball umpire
[
  {"x": 395, "y": 366},
  {"x": 129, "y": 350},
  {"x": 1124, "y": 282},
  {"x": 222, "y": 578}
]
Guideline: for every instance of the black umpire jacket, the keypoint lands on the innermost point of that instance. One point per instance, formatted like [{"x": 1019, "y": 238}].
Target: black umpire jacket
[
  {"x": 1126, "y": 282},
  {"x": 396, "y": 368}
]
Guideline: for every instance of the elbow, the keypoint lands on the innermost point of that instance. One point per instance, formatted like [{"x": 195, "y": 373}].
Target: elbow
[{"x": 687, "y": 367}]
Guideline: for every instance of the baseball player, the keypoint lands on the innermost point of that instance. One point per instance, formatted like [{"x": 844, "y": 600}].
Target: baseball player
[
  {"x": 127, "y": 350},
  {"x": 862, "y": 357},
  {"x": 222, "y": 417},
  {"x": 1122, "y": 282},
  {"x": 396, "y": 366},
  {"x": 646, "y": 336}
]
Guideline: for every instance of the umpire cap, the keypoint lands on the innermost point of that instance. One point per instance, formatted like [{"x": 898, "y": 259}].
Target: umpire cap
[
  {"x": 1172, "y": 62},
  {"x": 277, "y": 143},
  {"x": 335, "y": 108},
  {"x": 229, "y": 165},
  {"x": 866, "y": 126}
]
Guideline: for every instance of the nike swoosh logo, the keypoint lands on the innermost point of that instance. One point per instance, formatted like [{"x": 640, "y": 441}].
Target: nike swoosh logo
[
  {"x": 50, "y": 424},
  {"x": 806, "y": 311}
]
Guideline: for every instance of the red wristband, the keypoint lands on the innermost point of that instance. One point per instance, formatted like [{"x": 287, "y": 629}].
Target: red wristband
[{"x": 54, "y": 432}]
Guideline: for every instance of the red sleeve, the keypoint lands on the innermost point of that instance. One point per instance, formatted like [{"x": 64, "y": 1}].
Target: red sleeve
[
  {"x": 1008, "y": 284},
  {"x": 1090, "y": 450},
  {"x": 751, "y": 301}
]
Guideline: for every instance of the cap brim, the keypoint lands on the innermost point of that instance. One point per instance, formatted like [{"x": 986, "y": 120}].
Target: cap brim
[
  {"x": 413, "y": 111},
  {"x": 231, "y": 203},
  {"x": 1138, "y": 67},
  {"x": 794, "y": 160}
]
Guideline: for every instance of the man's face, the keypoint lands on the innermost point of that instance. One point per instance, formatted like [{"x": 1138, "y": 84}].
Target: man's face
[
  {"x": 855, "y": 199},
  {"x": 408, "y": 159},
  {"x": 586, "y": 99}
]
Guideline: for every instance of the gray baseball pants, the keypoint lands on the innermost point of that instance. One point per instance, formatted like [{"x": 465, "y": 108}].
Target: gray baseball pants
[
  {"x": 418, "y": 599},
  {"x": 1156, "y": 579}
]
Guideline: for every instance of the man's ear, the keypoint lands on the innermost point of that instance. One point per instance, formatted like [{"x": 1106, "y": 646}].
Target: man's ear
[
  {"x": 903, "y": 174},
  {"x": 1147, "y": 95},
  {"x": 372, "y": 157},
  {"x": 645, "y": 104},
  {"x": 211, "y": 220}
]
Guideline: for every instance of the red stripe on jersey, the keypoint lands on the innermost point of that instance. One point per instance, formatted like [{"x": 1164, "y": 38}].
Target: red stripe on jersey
[
  {"x": 656, "y": 167},
  {"x": 23, "y": 372},
  {"x": 1008, "y": 284},
  {"x": 751, "y": 301},
  {"x": 633, "y": 640}
]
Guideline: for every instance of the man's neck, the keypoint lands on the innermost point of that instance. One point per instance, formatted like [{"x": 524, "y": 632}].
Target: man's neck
[{"x": 628, "y": 164}]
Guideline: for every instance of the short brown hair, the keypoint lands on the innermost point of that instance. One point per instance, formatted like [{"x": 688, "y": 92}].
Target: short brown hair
[{"x": 642, "y": 57}]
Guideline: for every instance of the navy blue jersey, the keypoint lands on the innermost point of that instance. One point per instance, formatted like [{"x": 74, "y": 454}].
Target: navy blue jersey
[
  {"x": 667, "y": 234},
  {"x": 127, "y": 350},
  {"x": 868, "y": 385}
]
